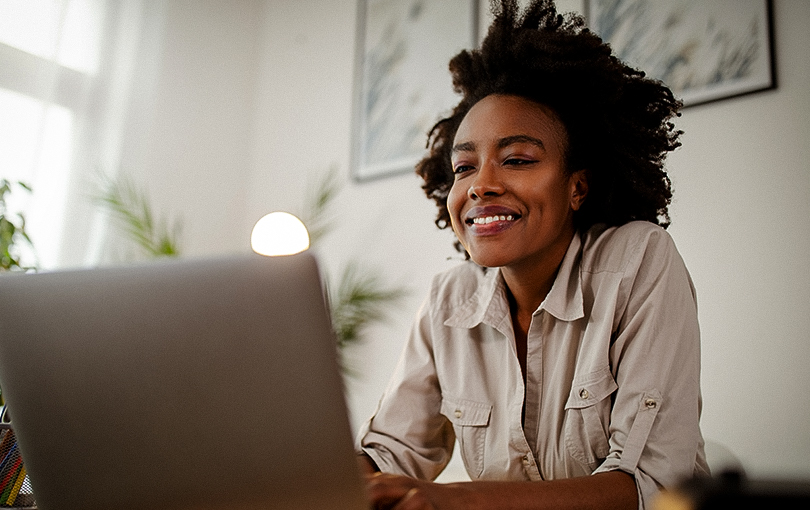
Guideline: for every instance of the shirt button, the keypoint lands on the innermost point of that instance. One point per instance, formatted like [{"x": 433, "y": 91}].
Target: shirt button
[
  {"x": 583, "y": 394},
  {"x": 650, "y": 403},
  {"x": 458, "y": 413}
]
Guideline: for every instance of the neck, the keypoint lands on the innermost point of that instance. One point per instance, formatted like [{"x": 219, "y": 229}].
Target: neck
[
  {"x": 526, "y": 296},
  {"x": 526, "y": 291},
  {"x": 529, "y": 283}
]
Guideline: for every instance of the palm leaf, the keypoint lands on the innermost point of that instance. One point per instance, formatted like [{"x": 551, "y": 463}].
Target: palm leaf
[
  {"x": 133, "y": 211},
  {"x": 359, "y": 299},
  {"x": 316, "y": 210}
]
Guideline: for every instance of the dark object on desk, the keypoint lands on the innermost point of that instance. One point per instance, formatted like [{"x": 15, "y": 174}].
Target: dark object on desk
[
  {"x": 731, "y": 489},
  {"x": 15, "y": 486},
  {"x": 179, "y": 384}
]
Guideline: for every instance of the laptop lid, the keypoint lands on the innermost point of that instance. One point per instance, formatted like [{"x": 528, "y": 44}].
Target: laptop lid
[{"x": 180, "y": 384}]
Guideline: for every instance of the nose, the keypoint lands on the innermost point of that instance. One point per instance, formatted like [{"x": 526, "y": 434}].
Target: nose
[{"x": 486, "y": 182}]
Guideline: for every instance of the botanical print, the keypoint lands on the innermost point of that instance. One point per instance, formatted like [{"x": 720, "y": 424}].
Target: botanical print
[
  {"x": 702, "y": 50},
  {"x": 405, "y": 83}
]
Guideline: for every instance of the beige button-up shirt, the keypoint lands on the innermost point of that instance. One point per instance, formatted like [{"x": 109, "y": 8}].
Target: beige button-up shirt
[{"x": 613, "y": 372}]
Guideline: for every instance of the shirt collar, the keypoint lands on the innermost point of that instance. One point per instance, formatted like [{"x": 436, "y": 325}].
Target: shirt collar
[
  {"x": 489, "y": 305},
  {"x": 564, "y": 300}
]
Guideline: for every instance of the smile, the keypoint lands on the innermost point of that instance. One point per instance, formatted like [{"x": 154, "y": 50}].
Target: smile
[
  {"x": 491, "y": 219},
  {"x": 485, "y": 220}
]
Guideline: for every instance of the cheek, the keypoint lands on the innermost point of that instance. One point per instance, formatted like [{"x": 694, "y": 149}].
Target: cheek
[{"x": 455, "y": 201}]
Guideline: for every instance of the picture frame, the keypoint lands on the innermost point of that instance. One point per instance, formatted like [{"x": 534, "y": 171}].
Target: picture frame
[
  {"x": 402, "y": 82},
  {"x": 704, "y": 51}
]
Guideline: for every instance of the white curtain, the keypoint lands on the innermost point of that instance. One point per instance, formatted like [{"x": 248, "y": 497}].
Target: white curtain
[{"x": 76, "y": 80}]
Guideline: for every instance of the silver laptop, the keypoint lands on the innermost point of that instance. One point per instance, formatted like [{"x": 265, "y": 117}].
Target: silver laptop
[{"x": 193, "y": 384}]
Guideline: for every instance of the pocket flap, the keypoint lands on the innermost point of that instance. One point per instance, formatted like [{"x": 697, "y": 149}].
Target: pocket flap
[
  {"x": 590, "y": 389},
  {"x": 466, "y": 412}
]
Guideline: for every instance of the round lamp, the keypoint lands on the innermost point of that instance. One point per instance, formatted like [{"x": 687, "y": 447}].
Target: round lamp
[{"x": 279, "y": 233}]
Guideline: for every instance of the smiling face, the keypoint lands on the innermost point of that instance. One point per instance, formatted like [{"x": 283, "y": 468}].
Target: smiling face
[{"x": 512, "y": 202}]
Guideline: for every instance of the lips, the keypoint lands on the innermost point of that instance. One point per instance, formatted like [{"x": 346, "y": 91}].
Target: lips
[{"x": 491, "y": 219}]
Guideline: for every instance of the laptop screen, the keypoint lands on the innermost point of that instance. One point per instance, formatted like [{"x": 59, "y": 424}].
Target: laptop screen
[{"x": 178, "y": 384}]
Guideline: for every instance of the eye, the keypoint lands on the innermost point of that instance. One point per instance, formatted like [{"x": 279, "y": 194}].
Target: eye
[
  {"x": 461, "y": 168},
  {"x": 518, "y": 161}
]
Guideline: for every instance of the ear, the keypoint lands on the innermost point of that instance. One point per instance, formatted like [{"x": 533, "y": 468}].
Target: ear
[{"x": 579, "y": 188}]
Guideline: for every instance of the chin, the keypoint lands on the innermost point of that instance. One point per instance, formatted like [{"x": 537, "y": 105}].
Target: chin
[{"x": 490, "y": 260}]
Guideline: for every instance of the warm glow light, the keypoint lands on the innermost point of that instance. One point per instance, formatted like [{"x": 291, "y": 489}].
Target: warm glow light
[{"x": 279, "y": 233}]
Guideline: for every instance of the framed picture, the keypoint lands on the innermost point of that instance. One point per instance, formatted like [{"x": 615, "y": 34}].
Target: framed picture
[
  {"x": 402, "y": 83},
  {"x": 703, "y": 50}
]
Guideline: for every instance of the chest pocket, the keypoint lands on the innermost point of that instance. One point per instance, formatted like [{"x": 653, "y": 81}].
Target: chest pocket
[
  {"x": 470, "y": 420},
  {"x": 587, "y": 416}
]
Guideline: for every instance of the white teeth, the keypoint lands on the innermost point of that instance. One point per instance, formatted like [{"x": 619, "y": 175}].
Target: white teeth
[{"x": 489, "y": 219}]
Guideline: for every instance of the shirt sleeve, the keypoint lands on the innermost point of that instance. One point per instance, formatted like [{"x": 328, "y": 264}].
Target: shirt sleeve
[
  {"x": 407, "y": 434},
  {"x": 654, "y": 423}
]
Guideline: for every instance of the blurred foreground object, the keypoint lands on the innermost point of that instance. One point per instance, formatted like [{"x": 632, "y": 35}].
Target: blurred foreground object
[{"x": 731, "y": 489}]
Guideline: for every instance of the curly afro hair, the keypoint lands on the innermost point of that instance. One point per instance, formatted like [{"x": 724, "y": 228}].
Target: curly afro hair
[{"x": 618, "y": 121}]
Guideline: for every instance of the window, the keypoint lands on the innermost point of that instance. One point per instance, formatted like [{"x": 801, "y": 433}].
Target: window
[{"x": 50, "y": 56}]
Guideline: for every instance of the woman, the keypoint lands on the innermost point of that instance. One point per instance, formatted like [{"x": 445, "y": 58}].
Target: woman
[{"x": 564, "y": 358}]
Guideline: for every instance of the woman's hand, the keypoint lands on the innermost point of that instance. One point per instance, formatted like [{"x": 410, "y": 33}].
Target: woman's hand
[
  {"x": 614, "y": 490},
  {"x": 395, "y": 492}
]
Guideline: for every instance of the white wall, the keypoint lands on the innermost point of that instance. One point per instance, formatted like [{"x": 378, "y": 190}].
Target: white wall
[
  {"x": 740, "y": 216},
  {"x": 189, "y": 128}
]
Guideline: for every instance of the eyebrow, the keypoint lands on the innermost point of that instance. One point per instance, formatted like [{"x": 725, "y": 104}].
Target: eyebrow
[
  {"x": 502, "y": 143},
  {"x": 463, "y": 147},
  {"x": 510, "y": 140}
]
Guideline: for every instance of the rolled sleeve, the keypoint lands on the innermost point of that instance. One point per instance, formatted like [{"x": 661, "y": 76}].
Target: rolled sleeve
[
  {"x": 407, "y": 434},
  {"x": 654, "y": 424}
]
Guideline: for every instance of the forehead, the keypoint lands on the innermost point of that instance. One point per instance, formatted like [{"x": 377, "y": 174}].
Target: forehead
[{"x": 499, "y": 116}]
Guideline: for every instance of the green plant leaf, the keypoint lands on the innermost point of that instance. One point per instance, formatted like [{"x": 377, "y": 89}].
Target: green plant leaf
[
  {"x": 13, "y": 235},
  {"x": 133, "y": 212},
  {"x": 359, "y": 299},
  {"x": 316, "y": 211}
]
